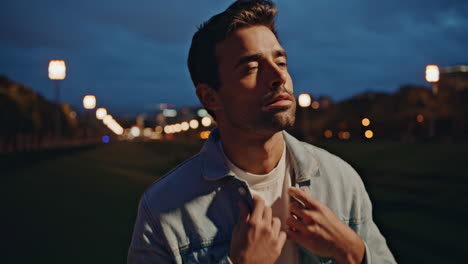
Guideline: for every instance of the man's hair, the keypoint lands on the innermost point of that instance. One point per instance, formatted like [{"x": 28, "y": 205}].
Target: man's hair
[{"x": 202, "y": 60}]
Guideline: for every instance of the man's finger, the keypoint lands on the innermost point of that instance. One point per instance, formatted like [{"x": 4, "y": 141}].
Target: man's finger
[
  {"x": 304, "y": 215},
  {"x": 257, "y": 213},
  {"x": 295, "y": 224},
  {"x": 282, "y": 239},
  {"x": 295, "y": 236},
  {"x": 244, "y": 212},
  {"x": 303, "y": 197}
]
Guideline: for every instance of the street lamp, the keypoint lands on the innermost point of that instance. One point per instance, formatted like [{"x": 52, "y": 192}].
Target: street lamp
[
  {"x": 304, "y": 100},
  {"x": 101, "y": 113},
  {"x": 89, "y": 101},
  {"x": 432, "y": 76},
  {"x": 57, "y": 72}
]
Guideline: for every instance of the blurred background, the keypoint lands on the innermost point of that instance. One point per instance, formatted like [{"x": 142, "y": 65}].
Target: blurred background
[{"x": 96, "y": 103}]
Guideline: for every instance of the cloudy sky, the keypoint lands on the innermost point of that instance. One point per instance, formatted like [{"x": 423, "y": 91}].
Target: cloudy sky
[{"x": 132, "y": 54}]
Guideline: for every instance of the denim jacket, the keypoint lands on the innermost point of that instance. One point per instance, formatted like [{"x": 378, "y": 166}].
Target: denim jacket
[{"x": 188, "y": 215}]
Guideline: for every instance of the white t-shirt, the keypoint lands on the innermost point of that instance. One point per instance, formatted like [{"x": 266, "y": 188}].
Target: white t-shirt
[{"x": 273, "y": 188}]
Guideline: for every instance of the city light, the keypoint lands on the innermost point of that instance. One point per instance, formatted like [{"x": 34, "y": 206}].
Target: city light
[
  {"x": 158, "y": 129},
  {"x": 147, "y": 132},
  {"x": 135, "y": 131},
  {"x": 369, "y": 134},
  {"x": 202, "y": 112},
  {"x": 315, "y": 105},
  {"x": 185, "y": 126},
  {"x": 105, "y": 139},
  {"x": 344, "y": 135},
  {"x": 177, "y": 128},
  {"x": 57, "y": 70},
  {"x": 206, "y": 121},
  {"x": 205, "y": 134},
  {"x": 193, "y": 124},
  {"x": 168, "y": 129},
  {"x": 365, "y": 122},
  {"x": 107, "y": 119},
  {"x": 420, "y": 118},
  {"x": 432, "y": 73},
  {"x": 89, "y": 101},
  {"x": 101, "y": 113},
  {"x": 328, "y": 133},
  {"x": 169, "y": 112},
  {"x": 304, "y": 100}
]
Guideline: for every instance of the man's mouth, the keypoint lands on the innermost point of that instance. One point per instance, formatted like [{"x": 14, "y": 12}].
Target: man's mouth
[{"x": 281, "y": 100}]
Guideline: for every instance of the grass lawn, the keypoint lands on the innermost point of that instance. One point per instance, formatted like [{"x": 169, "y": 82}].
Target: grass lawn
[{"x": 78, "y": 206}]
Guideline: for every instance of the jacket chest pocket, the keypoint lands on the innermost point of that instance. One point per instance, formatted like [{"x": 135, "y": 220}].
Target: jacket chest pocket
[{"x": 207, "y": 252}]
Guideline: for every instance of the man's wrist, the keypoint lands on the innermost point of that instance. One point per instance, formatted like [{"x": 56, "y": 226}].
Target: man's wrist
[{"x": 355, "y": 255}]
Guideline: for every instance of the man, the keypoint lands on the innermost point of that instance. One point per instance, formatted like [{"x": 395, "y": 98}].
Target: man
[{"x": 254, "y": 194}]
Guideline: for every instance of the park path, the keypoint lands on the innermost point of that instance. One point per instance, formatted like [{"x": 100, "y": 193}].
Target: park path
[{"x": 79, "y": 205}]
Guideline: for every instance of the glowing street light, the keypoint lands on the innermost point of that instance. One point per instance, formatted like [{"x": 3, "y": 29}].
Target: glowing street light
[
  {"x": 365, "y": 122},
  {"x": 304, "y": 100},
  {"x": 89, "y": 102},
  {"x": 193, "y": 124},
  {"x": 369, "y": 134},
  {"x": 101, "y": 113},
  {"x": 206, "y": 121},
  {"x": 57, "y": 72},
  {"x": 185, "y": 126},
  {"x": 432, "y": 73},
  {"x": 432, "y": 76}
]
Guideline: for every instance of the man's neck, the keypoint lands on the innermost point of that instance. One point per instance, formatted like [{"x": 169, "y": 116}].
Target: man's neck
[{"x": 257, "y": 154}]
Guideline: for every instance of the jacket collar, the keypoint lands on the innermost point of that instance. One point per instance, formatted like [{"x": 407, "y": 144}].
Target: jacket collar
[{"x": 304, "y": 161}]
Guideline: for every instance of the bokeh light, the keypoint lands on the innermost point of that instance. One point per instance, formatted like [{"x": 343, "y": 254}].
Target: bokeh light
[
  {"x": 420, "y": 118},
  {"x": 206, "y": 121},
  {"x": 185, "y": 126},
  {"x": 315, "y": 105},
  {"x": 369, "y": 134},
  {"x": 101, "y": 113},
  {"x": 105, "y": 139},
  {"x": 432, "y": 73},
  {"x": 328, "y": 133},
  {"x": 135, "y": 131},
  {"x": 365, "y": 122},
  {"x": 89, "y": 101},
  {"x": 57, "y": 70},
  {"x": 194, "y": 124},
  {"x": 304, "y": 100}
]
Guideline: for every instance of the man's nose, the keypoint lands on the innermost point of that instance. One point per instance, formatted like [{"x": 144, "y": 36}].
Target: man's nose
[{"x": 278, "y": 76}]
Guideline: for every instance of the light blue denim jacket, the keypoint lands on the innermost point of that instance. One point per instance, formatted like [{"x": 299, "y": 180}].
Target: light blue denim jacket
[{"x": 188, "y": 215}]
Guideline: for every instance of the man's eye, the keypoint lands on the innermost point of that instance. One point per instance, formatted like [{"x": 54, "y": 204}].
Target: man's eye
[
  {"x": 251, "y": 69},
  {"x": 283, "y": 64}
]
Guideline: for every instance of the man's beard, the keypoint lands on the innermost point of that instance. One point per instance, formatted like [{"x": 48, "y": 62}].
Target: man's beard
[{"x": 278, "y": 121}]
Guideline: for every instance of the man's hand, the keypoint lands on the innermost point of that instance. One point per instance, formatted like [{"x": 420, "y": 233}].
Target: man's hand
[
  {"x": 257, "y": 237},
  {"x": 314, "y": 226}
]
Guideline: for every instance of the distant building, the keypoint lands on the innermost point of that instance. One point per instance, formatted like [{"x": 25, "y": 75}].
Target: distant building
[{"x": 453, "y": 79}]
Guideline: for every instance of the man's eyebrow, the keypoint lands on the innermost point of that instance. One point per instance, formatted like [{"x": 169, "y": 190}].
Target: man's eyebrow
[{"x": 281, "y": 53}]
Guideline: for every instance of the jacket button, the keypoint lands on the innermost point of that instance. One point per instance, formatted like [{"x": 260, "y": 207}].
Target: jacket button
[{"x": 242, "y": 190}]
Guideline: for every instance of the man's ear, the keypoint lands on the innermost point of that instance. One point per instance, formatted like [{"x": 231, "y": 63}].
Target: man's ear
[{"x": 208, "y": 97}]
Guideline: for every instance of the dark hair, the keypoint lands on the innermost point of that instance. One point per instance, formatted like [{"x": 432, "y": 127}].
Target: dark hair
[{"x": 202, "y": 60}]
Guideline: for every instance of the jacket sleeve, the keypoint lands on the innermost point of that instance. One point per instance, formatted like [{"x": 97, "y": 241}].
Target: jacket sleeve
[
  {"x": 148, "y": 244},
  {"x": 377, "y": 250}
]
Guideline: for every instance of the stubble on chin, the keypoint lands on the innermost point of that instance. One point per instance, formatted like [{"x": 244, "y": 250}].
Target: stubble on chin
[{"x": 279, "y": 121}]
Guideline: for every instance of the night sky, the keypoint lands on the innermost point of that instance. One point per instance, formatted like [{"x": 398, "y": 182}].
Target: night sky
[{"x": 132, "y": 54}]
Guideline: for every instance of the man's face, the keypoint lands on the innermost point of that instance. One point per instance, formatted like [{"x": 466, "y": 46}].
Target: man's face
[{"x": 256, "y": 91}]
